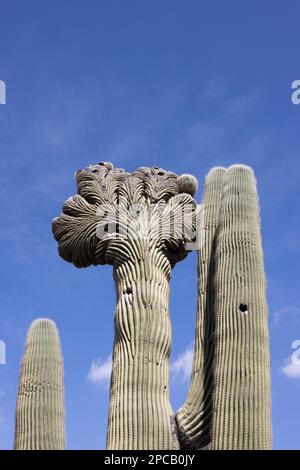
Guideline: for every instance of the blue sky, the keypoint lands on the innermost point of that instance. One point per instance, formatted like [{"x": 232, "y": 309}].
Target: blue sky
[{"x": 182, "y": 85}]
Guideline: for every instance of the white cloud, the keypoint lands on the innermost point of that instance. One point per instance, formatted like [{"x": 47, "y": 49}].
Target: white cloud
[
  {"x": 100, "y": 371},
  {"x": 291, "y": 366},
  {"x": 182, "y": 366},
  {"x": 291, "y": 369}
]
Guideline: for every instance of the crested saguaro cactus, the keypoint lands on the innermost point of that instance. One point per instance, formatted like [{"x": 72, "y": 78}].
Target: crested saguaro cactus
[
  {"x": 138, "y": 223},
  {"x": 40, "y": 403},
  {"x": 228, "y": 405}
]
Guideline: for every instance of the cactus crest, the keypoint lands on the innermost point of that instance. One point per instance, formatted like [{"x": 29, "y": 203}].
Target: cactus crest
[{"x": 140, "y": 223}]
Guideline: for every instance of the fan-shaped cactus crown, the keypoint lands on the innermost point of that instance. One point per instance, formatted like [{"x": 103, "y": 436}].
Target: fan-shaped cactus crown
[{"x": 113, "y": 208}]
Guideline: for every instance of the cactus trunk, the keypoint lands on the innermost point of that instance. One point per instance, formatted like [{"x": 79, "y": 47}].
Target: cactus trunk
[
  {"x": 40, "y": 401},
  {"x": 140, "y": 414}
]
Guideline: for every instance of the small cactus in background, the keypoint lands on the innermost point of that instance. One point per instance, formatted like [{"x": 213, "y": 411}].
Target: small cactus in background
[{"x": 40, "y": 410}]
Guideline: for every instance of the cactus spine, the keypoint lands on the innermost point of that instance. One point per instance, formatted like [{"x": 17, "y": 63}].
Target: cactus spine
[
  {"x": 133, "y": 222},
  {"x": 40, "y": 401}
]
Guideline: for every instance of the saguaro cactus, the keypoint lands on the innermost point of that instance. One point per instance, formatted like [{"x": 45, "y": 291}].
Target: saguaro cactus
[
  {"x": 139, "y": 224},
  {"x": 136, "y": 223},
  {"x": 241, "y": 398},
  {"x": 40, "y": 403},
  {"x": 228, "y": 405}
]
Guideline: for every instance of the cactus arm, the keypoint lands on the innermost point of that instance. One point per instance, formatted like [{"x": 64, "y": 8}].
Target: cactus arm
[
  {"x": 40, "y": 402},
  {"x": 241, "y": 398},
  {"x": 194, "y": 418},
  {"x": 228, "y": 404}
]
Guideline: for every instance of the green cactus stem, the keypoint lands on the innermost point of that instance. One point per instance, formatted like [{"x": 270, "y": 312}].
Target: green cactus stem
[
  {"x": 195, "y": 417},
  {"x": 133, "y": 222},
  {"x": 40, "y": 402},
  {"x": 228, "y": 404},
  {"x": 241, "y": 398}
]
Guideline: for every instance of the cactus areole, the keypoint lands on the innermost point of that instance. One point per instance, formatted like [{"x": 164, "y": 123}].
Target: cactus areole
[{"x": 142, "y": 223}]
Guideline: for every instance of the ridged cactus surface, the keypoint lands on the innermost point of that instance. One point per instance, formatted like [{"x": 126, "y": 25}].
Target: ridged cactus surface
[
  {"x": 228, "y": 405},
  {"x": 241, "y": 397},
  {"x": 133, "y": 222},
  {"x": 40, "y": 403},
  {"x": 195, "y": 417}
]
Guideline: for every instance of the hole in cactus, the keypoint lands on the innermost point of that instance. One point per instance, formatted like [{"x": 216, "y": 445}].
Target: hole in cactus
[
  {"x": 128, "y": 290},
  {"x": 243, "y": 308},
  {"x": 160, "y": 173}
]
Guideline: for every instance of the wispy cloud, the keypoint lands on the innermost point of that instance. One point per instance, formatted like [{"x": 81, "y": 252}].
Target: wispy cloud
[
  {"x": 100, "y": 371},
  {"x": 282, "y": 314},
  {"x": 213, "y": 134},
  {"x": 182, "y": 366},
  {"x": 215, "y": 87}
]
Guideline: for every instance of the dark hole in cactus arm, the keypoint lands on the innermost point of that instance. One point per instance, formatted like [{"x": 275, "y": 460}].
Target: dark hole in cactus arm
[{"x": 243, "y": 308}]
